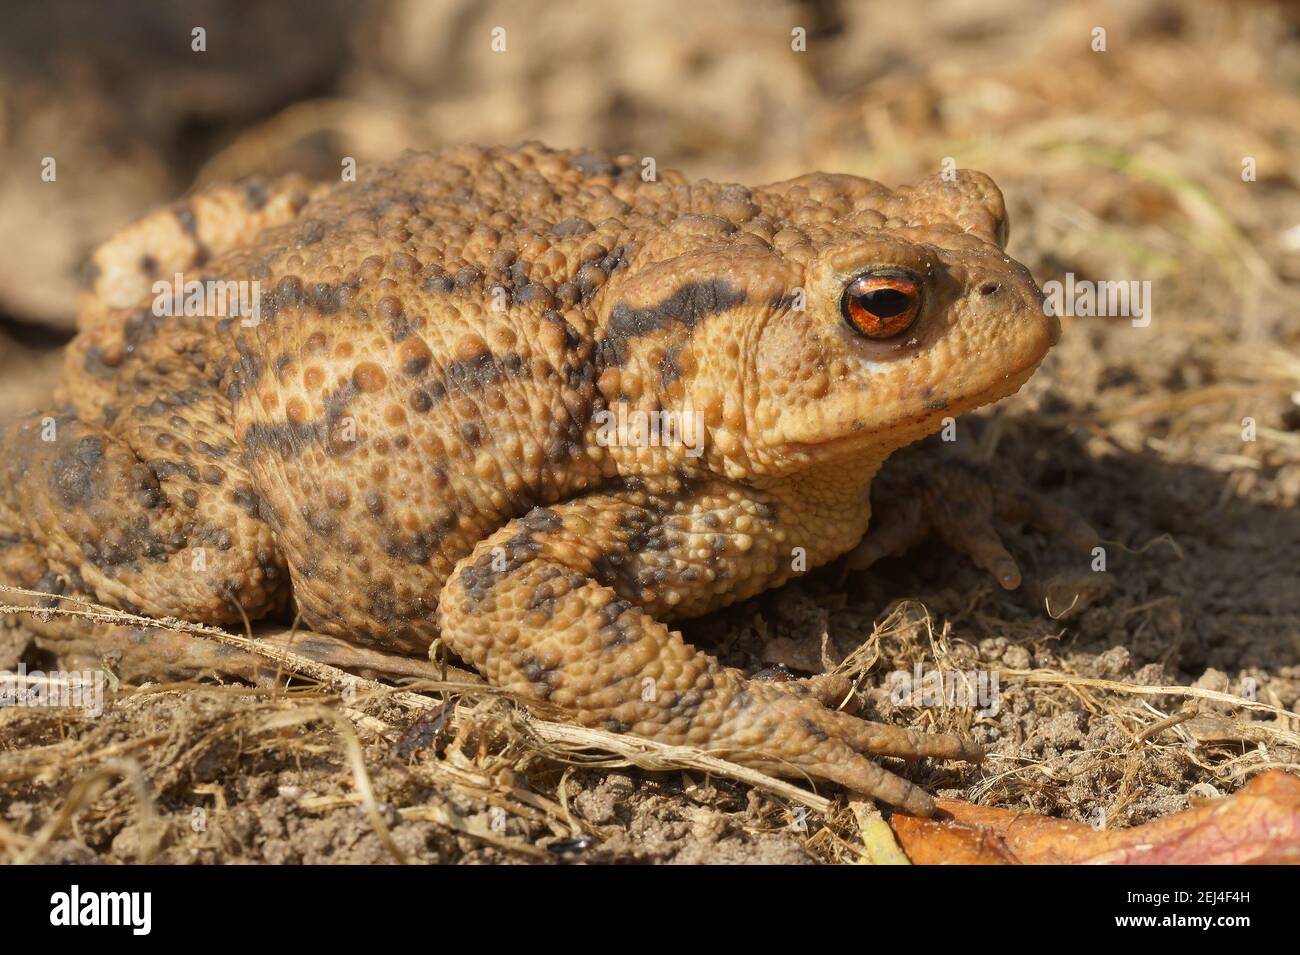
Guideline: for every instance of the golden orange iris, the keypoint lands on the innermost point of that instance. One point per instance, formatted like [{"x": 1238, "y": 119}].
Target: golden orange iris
[{"x": 882, "y": 304}]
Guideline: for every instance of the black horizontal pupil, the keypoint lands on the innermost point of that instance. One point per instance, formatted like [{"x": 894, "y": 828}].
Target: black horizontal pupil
[{"x": 885, "y": 302}]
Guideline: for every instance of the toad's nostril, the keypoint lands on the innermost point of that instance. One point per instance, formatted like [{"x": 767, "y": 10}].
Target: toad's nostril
[{"x": 988, "y": 288}]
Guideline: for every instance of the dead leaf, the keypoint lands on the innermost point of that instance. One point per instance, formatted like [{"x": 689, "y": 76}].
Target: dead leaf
[{"x": 1260, "y": 824}]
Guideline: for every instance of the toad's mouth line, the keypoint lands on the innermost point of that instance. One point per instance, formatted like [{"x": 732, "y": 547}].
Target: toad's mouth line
[{"x": 885, "y": 438}]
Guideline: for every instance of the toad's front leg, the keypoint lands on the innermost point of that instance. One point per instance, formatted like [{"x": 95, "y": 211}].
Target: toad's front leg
[
  {"x": 926, "y": 490},
  {"x": 562, "y": 604}
]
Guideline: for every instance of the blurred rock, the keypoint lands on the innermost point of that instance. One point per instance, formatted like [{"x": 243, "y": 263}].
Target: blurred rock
[{"x": 116, "y": 96}]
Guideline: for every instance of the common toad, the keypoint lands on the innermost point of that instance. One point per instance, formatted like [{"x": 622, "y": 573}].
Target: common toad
[{"x": 528, "y": 403}]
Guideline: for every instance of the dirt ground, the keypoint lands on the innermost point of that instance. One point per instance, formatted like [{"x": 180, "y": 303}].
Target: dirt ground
[{"x": 1177, "y": 438}]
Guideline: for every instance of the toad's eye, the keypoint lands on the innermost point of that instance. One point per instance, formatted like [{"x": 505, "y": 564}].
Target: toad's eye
[{"x": 882, "y": 304}]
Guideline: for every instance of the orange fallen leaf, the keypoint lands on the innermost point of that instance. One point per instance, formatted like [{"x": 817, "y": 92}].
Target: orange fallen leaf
[{"x": 1259, "y": 824}]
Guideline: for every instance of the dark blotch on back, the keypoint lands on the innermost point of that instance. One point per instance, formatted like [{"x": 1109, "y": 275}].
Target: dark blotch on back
[
  {"x": 482, "y": 371},
  {"x": 73, "y": 477},
  {"x": 188, "y": 222},
  {"x": 688, "y": 306},
  {"x": 255, "y": 192}
]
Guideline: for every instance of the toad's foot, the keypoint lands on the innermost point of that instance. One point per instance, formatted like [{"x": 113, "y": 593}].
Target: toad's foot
[
  {"x": 965, "y": 505},
  {"x": 554, "y": 607}
]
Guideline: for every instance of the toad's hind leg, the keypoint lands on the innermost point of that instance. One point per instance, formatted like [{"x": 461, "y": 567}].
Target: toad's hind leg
[
  {"x": 560, "y": 606},
  {"x": 169, "y": 531}
]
